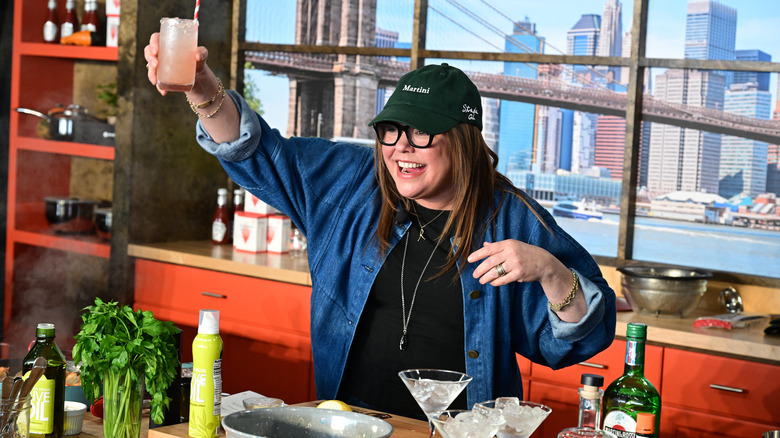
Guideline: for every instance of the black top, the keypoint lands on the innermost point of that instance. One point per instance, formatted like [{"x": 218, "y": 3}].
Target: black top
[{"x": 435, "y": 331}]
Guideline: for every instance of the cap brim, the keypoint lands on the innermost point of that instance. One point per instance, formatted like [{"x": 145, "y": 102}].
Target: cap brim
[{"x": 416, "y": 117}]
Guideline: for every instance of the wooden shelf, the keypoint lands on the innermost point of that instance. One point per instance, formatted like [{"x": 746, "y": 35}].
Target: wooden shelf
[
  {"x": 70, "y": 52},
  {"x": 82, "y": 244},
  {"x": 65, "y": 148}
]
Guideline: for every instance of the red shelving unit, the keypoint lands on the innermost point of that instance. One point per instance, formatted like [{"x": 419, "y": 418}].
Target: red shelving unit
[{"x": 44, "y": 270}]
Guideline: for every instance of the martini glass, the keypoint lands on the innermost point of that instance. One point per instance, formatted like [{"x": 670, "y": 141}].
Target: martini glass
[
  {"x": 522, "y": 417},
  {"x": 434, "y": 390},
  {"x": 479, "y": 422}
]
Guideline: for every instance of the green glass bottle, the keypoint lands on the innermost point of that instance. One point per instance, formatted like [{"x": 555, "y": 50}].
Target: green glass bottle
[
  {"x": 631, "y": 392},
  {"x": 47, "y": 416}
]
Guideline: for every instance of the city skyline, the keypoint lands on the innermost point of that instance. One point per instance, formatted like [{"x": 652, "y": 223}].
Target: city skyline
[{"x": 666, "y": 31}]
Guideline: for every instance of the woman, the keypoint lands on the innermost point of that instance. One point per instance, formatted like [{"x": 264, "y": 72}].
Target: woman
[{"x": 421, "y": 254}]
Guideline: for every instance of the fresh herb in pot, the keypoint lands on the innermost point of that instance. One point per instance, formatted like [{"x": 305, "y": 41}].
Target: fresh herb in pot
[{"x": 115, "y": 341}]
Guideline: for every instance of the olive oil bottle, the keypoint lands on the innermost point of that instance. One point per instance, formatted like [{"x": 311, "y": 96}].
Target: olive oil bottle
[
  {"x": 631, "y": 393},
  {"x": 48, "y": 395}
]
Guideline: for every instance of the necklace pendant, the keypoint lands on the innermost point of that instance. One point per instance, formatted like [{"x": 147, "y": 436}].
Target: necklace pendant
[
  {"x": 404, "y": 342},
  {"x": 421, "y": 235}
]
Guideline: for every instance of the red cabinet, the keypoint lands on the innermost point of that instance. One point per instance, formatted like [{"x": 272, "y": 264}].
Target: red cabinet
[
  {"x": 717, "y": 388},
  {"x": 264, "y": 324}
]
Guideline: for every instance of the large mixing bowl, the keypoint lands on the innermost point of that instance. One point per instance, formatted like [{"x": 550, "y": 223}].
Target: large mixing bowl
[
  {"x": 302, "y": 422},
  {"x": 658, "y": 291}
]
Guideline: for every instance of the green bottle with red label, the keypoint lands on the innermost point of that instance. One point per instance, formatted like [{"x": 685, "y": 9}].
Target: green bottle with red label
[{"x": 47, "y": 398}]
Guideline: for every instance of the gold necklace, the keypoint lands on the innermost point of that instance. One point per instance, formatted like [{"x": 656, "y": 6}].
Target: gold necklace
[{"x": 422, "y": 227}]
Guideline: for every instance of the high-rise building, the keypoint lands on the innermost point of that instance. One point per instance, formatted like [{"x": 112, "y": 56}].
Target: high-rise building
[
  {"x": 490, "y": 122},
  {"x": 611, "y": 43},
  {"x": 518, "y": 119},
  {"x": 610, "y": 147},
  {"x": 583, "y": 40},
  {"x": 711, "y": 32},
  {"x": 761, "y": 79},
  {"x": 743, "y": 161},
  {"x": 683, "y": 158},
  {"x": 548, "y": 142},
  {"x": 773, "y": 154}
]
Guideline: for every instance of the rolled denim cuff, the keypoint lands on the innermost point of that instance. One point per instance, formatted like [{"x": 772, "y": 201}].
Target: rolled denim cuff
[
  {"x": 575, "y": 331},
  {"x": 242, "y": 148}
]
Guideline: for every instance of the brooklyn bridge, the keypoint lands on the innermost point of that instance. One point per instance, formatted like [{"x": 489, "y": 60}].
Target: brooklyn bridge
[{"x": 542, "y": 92}]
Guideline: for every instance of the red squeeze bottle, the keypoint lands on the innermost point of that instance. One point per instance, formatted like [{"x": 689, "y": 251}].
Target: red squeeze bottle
[{"x": 52, "y": 25}]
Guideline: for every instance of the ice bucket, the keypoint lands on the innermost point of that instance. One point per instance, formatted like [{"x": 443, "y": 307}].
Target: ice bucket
[{"x": 301, "y": 422}]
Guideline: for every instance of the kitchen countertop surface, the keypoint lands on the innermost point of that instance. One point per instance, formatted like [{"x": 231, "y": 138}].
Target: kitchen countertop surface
[{"x": 745, "y": 343}]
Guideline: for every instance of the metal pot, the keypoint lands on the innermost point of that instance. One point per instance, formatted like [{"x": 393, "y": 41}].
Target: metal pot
[
  {"x": 299, "y": 422},
  {"x": 61, "y": 122},
  {"x": 103, "y": 218},
  {"x": 659, "y": 291},
  {"x": 70, "y": 215}
]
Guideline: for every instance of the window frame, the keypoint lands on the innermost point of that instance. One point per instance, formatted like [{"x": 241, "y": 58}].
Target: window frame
[{"x": 637, "y": 63}]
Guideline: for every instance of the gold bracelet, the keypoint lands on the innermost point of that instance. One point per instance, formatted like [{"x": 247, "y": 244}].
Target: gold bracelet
[
  {"x": 220, "y": 89},
  {"x": 211, "y": 114},
  {"x": 575, "y": 284}
]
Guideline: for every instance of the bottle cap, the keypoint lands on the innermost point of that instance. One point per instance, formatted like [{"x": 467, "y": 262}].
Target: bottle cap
[
  {"x": 208, "y": 323},
  {"x": 592, "y": 380},
  {"x": 44, "y": 329},
  {"x": 222, "y": 192},
  {"x": 636, "y": 330},
  {"x": 645, "y": 422}
]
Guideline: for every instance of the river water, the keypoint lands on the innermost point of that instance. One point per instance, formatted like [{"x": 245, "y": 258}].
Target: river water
[{"x": 707, "y": 246}]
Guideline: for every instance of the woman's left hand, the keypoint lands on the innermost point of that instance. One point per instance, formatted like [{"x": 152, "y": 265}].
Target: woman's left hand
[{"x": 510, "y": 260}]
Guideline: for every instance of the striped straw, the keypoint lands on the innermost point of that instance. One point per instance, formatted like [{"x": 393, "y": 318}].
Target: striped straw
[{"x": 197, "y": 8}]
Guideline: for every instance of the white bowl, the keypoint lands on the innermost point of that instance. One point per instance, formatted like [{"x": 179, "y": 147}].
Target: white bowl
[{"x": 74, "y": 417}]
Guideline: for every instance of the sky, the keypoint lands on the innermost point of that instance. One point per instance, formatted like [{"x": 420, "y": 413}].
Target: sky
[{"x": 450, "y": 28}]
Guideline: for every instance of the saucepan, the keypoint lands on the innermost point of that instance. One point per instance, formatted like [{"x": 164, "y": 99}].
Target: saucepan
[
  {"x": 61, "y": 121},
  {"x": 70, "y": 215}
]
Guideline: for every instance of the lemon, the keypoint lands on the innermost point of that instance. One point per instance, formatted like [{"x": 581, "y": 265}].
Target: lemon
[{"x": 337, "y": 405}]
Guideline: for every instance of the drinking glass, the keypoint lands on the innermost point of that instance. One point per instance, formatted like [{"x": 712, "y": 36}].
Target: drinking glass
[
  {"x": 178, "y": 42},
  {"x": 434, "y": 390},
  {"x": 522, "y": 417}
]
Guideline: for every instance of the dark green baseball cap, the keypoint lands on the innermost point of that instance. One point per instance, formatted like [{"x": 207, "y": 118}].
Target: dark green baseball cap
[{"x": 433, "y": 99}]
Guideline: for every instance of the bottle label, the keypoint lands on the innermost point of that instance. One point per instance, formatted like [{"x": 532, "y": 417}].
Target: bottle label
[
  {"x": 621, "y": 424},
  {"x": 67, "y": 30},
  {"x": 218, "y": 231},
  {"x": 634, "y": 356},
  {"x": 49, "y": 32},
  {"x": 42, "y": 406}
]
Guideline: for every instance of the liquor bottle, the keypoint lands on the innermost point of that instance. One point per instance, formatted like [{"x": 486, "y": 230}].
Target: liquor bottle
[
  {"x": 51, "y": 26},
  {"x": 221, "y": 223},
  {"x": 631, "y": 393},
  {"x": 589, "y": 418},
  {"x": 71, "y": 23},
  {"x": 90, "y": 19},
  {"x": 47, "y": 417},
  {"x": 206, "y": 385}
]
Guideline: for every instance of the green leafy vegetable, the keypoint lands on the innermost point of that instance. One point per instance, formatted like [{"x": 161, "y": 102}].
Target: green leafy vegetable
[{"x": 115, "y": 341}]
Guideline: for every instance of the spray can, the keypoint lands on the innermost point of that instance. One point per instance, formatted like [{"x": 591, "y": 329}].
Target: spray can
[{"x": 206, "y": 386}]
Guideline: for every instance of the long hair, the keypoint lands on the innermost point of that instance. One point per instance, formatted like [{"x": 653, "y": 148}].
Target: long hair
[{"x": 475, "y": 179}]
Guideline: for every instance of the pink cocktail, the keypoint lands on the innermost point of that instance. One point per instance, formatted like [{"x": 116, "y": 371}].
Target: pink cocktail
[{"x": 178, "y": 42}]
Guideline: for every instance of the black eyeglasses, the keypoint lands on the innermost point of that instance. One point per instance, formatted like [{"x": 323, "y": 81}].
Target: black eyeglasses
[{"x": 389, "y": 133}]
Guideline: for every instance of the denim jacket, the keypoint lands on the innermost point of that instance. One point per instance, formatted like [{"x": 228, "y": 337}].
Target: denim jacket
[{"x": 330, "y": 192}]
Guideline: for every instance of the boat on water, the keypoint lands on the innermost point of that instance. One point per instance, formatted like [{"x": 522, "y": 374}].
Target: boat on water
[{"x": 577, "y": 210}]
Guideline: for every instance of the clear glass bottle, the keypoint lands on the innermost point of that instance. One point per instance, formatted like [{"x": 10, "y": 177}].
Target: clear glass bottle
[
  {"x": 47, "y": 417},
  {"x": 297, "y": 243},
  {"x": 589, "y": 418},
  {"x": 71, "y": 23},
  {"x": 631, "y": 393},
  {"x": 51, "y": 27},
  {"x": 220, "y": 225}
]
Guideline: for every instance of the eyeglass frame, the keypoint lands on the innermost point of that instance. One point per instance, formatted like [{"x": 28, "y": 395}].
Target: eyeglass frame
[{"x": 405, "y": 129}]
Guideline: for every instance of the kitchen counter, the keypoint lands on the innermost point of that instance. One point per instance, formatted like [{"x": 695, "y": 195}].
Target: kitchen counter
[{"x": 745, "y": 343}]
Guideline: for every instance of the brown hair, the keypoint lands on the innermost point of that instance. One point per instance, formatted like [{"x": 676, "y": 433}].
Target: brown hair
[{"x": 475, "y": 179}]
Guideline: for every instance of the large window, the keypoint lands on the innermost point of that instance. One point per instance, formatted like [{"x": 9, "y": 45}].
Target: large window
[{"x": 665, "y": 156}]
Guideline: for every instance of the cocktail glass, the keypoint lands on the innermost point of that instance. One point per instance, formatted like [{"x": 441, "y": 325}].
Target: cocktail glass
[
  {"x": 479, "y": 422},
  {"x": 434, "y": 390},
  {"x": 522, "y": 417}
]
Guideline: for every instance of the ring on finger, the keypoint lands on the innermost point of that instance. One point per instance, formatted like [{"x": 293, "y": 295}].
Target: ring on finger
[{"x": 500, "y": 270}]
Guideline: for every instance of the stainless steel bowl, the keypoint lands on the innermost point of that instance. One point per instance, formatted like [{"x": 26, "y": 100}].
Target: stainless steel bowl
[
  {"x": 301, "y": 422},
  {"x": 658, "y": 291}
]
